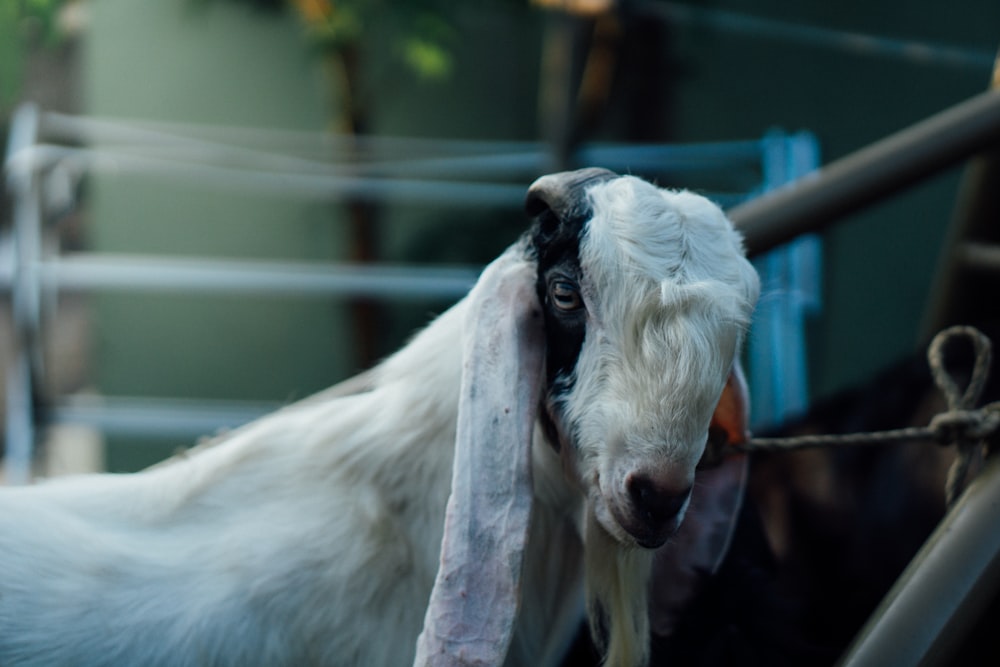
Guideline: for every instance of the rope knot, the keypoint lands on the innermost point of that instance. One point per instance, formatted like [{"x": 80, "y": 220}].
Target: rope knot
[
  {"x": 962, "y": 425},
  {"x": 974, "y": 432}
]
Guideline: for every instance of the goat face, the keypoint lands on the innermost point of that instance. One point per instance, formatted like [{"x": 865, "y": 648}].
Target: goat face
[
  {"x": 646, "y": 294},
  {"x": 642, "y": 299}
]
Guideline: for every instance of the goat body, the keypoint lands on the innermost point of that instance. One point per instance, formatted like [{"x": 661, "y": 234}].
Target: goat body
[
  {"x": 255, "y": 550},
  {"x": 314, "y": 535}
]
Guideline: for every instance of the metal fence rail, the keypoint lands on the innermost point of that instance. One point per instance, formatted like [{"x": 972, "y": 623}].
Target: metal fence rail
[
  {"x": 48, "y": 154},
  {"x": 872, "y": 173}
]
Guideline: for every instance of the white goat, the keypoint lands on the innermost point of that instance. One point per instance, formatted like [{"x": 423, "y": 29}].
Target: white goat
[{"x": 574, "y": 386}]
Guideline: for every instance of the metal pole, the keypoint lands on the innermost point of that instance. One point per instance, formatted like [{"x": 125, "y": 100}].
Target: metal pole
[
  {"x": 854, "y": 43},
  {"x": 870, "y": 174},
  {"x": 966, "y": 268},
  {"x": 26, "y": 301},
  {"x": 147, "y": 273},
  {"x": 975, "y": 255},
  {"x": 938, "y": 598}
]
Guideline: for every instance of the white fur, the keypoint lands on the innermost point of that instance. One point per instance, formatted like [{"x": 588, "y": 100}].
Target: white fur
[
  {"x": 669, "y": 295},
  {"x": 311, "y": 537}
]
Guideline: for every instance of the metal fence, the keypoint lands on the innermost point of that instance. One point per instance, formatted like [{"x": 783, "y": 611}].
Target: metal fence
[{"x": 48, "y": 153}]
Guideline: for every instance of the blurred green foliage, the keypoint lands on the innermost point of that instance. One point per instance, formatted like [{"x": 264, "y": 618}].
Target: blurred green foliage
[
  {"x": 421, "y": 31},
  {"x": 10, "y": 55},
  {"x": 23, "y": 24}
]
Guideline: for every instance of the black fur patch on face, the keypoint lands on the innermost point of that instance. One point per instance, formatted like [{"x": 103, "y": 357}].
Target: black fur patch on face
[
  {"x": 557, "y": 246},
  {"x": 562, "y": 210}
]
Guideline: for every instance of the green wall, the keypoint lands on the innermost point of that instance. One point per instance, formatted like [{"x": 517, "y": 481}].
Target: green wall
[
  {"x": 879, "y": 263},
  {"x": 171, "y": 60},
  {"x": 217, "y": 63}
]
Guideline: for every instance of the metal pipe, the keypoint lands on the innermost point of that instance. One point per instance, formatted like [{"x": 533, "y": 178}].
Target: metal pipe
[
  {"x": 97, "y": 129},
  {"x": 145, "y": 273},
  {"x": 918, "y": 53},
  {"x": 392, "y": 157},
  {"x": 872, "y": 173},
  {"x": 960, "y": 276},
  {"x": 313, "y": 184},
  {"x": 941, "y": 593},
  {"x": 981, "y": 256},
  {"x": 387, "y": 180},
  {"x": 161, "y": 418},
  {"x": 25, "y": 356}
]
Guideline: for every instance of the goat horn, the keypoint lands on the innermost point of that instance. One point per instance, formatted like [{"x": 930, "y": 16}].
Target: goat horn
[{"x": 562, "y": 192}]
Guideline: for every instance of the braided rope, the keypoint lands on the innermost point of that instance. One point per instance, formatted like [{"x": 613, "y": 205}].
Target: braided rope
[
  {"x": 968, "y": 451},
  {"x": 961, "y": 425},
  {"x": 862, "y": 438}
]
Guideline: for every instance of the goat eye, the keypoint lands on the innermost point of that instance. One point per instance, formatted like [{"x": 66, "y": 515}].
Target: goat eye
[{"x": 565, "y": 295}]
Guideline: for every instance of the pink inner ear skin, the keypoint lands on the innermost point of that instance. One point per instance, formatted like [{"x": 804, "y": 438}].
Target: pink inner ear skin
[
  {"x": 473, "y": 606},
  {"x": 732, "y": 414}
]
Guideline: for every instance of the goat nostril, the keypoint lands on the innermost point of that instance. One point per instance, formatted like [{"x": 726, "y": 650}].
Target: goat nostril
[{"x": 654, "y": 504}]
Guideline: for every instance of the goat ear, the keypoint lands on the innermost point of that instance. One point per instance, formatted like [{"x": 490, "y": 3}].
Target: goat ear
[
  {"x": 470, "y": 618},
  {"x": 731, "y": 419},
  {"x": 702, "y": 541}
]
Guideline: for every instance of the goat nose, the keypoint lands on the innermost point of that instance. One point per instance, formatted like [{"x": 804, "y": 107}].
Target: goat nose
[{"x": 655, "y": 504}]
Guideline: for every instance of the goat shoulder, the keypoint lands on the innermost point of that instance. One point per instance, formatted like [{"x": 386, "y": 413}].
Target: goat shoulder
[{"x": 252, "y": 550}]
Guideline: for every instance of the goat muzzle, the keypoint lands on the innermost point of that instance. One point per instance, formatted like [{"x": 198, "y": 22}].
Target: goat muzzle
[{"x": 653, "y": 510}]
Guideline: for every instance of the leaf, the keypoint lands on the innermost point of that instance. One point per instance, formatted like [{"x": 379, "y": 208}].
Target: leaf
[{"x": 428, "y": 59}]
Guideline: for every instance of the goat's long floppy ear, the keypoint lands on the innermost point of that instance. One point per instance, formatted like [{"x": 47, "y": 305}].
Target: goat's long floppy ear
[
  {"x": 470, "y": 618},
  {"x": 702, "y": 541}
]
